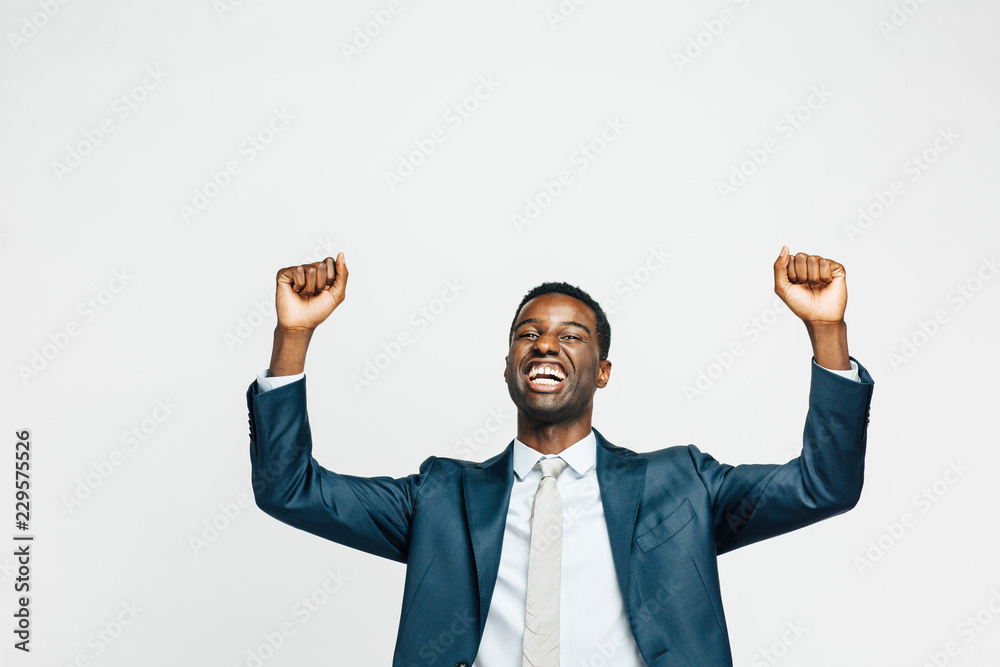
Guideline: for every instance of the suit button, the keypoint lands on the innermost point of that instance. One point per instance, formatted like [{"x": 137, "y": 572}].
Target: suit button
[{"x": 461, "y": 664}]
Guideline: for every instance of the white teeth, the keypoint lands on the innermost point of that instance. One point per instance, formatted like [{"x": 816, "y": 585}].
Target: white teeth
[{"x": 546, "y": 369}]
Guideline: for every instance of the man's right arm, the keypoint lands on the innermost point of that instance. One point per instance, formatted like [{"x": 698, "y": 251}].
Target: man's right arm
[{"x": 367, "y": 513}]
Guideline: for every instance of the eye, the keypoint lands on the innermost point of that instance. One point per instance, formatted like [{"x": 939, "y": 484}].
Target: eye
[
  {"x": 530, "y": 333},
  {"x": 571, "y": 336}
]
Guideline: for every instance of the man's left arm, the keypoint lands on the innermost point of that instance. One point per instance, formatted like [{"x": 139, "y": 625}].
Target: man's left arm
[{"x": 754, "y": 502}]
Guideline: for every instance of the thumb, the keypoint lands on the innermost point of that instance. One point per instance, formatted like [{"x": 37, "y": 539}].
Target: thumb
[
  {"x": 781, "y": 282},
  {"x": 339, "y": 285}
]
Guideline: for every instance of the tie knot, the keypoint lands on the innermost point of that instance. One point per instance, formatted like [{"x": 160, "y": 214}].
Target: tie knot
[{"x": 552, "y": 467}]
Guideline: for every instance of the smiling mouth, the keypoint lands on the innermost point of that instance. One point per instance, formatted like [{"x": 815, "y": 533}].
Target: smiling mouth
[{"x": 545, "y": 377}]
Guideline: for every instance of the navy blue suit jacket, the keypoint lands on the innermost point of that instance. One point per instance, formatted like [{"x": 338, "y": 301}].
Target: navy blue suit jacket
[{"x": 669, "y": 513}]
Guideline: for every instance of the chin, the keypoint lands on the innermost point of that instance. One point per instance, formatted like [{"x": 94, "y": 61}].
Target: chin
[{"x": 551, "y": 413}]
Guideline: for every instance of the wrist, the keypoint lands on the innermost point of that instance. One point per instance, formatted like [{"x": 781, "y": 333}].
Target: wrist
[
  {"x": 829, "y": 344},
  {"x": 293, "y": 333},
  {"x": 825, "y": 326},
  {"x": 288, "y": 354}
]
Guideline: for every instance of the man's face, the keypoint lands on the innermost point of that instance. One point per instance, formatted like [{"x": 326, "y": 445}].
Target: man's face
[{"x": 553, "y": 366}]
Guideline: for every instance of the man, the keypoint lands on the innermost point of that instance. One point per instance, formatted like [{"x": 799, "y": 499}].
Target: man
[{"x": 563, "y": 547}]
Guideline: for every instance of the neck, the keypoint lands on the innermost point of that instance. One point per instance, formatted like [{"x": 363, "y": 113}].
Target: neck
[{"x": 552, "y": 438}]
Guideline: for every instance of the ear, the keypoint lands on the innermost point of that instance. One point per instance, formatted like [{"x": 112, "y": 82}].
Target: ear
[
  {"x": 603, "y": 374},
  {"x": 505, "y": 368}
]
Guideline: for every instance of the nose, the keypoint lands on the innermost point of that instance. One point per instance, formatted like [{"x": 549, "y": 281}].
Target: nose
[{"x": 547, "y": 343}]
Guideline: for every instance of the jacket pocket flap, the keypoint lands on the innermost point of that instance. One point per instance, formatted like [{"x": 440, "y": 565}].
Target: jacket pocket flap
[{"x": 666, "y": 529}]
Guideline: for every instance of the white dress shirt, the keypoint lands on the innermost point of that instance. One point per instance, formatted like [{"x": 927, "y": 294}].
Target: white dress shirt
[
  {"x": 593, "y": 625},
  {"x": 592, "y": 621}
]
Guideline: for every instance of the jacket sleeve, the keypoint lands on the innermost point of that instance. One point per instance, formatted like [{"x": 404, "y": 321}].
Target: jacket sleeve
[
  {"x": 372, "y": 514},
  {"x": 754, "y": 502}
]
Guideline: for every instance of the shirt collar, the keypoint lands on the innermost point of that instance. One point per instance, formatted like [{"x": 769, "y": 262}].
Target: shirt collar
[{"x": 581, "y": 456}]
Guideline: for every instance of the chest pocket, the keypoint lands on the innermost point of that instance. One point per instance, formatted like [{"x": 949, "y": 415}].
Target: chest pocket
[{"x": 667, "y": 528}]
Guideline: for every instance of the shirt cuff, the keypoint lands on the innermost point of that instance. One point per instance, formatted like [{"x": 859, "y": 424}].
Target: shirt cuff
[
  {"x": 266, "y": 383},
  {"x": 850, "y": 375}
]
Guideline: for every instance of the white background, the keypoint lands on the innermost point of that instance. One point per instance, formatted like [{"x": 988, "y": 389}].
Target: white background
[{"x": 186, "y": 327}]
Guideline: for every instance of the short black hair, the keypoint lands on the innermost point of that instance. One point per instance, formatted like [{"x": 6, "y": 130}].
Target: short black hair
[{"x": 603, "y": 327}]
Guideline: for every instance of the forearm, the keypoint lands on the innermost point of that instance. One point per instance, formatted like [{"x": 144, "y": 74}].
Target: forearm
[
  {"x": 288, "y": 354},
  {"x": 829, "y": 344}
]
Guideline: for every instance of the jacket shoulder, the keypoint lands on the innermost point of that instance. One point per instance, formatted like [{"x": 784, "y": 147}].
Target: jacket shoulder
[
  {"x": 671, "y": 454},
  {"x": 454, "y": 465}
]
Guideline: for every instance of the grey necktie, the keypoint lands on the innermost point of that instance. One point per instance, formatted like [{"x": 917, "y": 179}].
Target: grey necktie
[{"x": 541, "y": 617}]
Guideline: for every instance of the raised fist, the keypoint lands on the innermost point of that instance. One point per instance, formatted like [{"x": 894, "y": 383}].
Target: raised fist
[
  {"x": 814, "y": 288},
  {"x": 308, "y": 293}
]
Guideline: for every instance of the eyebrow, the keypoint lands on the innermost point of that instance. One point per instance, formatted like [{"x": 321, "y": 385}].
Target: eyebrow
[{"x": 532, "y": 320}]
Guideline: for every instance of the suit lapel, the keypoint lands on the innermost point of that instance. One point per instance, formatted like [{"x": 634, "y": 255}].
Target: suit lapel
[
  {"x": 486, "y": 488},
  {"x": 620, "y": 476}
]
